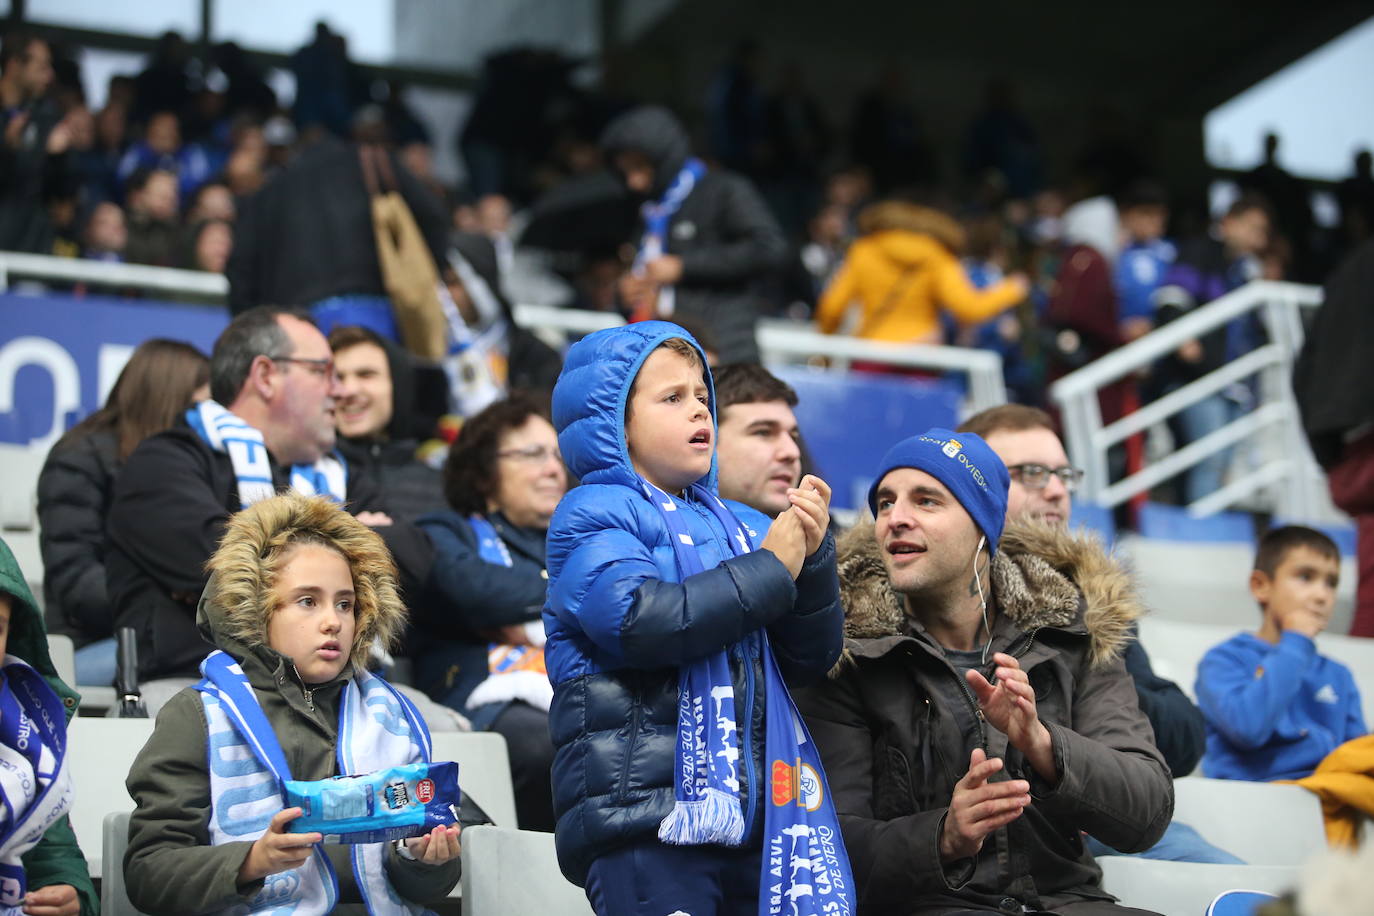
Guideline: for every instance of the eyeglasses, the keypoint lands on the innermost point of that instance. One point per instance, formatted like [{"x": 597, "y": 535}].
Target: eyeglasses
[
  {"x": 531, "y": 454},
  {"x": 324, "y": 368},
  {"x": 1036, "y": 476}
]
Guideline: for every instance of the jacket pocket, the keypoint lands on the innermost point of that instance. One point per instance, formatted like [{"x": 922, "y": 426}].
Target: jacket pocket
[{"x": 892, "y": 783}]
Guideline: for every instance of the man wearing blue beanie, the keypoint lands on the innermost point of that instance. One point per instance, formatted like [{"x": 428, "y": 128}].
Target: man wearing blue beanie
[{"x": 982, "y": 718}]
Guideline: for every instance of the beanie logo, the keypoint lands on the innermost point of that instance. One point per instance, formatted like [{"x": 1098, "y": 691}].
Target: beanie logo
[{"x": 952, "y": 448}]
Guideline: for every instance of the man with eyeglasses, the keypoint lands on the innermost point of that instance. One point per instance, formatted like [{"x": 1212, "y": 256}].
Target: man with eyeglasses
[
  {"x": 1042, "y": 486},
  {"x": 268, "y": 426}
]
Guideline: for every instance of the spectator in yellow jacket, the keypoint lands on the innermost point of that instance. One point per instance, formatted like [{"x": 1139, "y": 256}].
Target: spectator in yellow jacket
[{"x": 902, "y": 271}]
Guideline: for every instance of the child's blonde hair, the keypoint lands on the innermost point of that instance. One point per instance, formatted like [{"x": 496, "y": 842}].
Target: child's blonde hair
[{"x": 257, "y": 542}]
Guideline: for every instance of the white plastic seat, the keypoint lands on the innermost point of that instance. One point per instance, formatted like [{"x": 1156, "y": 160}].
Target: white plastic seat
[
  {"x": 114, "y": 897},
  {"x": 1186, "y": 888},
  {"x": 1263, "y": 823},
  {"x": 516, "y": 871},
  {"x": 483, "y": 770},
  {"x": 101, "y": 753}
]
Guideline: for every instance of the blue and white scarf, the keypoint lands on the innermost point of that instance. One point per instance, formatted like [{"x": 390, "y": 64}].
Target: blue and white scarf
[
  {"x": 35, "y": 785},
  {"x": 805, "y": 868},
  {"x": 657, "y": 214},
  {"x": 229, "y": 435},
  {"x": 378, "y": 727}
]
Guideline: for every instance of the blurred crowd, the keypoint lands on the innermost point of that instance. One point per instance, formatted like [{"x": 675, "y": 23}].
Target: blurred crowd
[{"x": 866, "y": 227}]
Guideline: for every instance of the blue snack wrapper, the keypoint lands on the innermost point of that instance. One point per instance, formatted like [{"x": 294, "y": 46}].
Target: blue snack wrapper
[{"x": 377, "y": 807}]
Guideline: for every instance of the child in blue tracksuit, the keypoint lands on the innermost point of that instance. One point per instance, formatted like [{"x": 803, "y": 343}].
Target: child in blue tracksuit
[
  {"x": 653, "y": 578},
  {"x": 1274, "y": 706}
]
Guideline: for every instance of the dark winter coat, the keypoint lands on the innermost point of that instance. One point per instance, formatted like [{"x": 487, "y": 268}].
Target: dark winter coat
[
  {"x": 57, "y": 859},
  {"x": 896, "y": 725},
  {"x": 1335, "y": 371},
  {"x": 307, "y": 235},
  {"x": 75, "y": 490},
  {"x": 620, "y": 623},
  {"x": 29, "y": 179},
  {"x": 725, "y": 234},
  {"x": 171, "y": 503},
  {"x": 1180, "y": 730}
]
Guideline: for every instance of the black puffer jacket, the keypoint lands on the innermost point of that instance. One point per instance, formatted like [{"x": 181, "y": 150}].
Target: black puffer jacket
[
  {"x": 727, "y": 238},
  {"x": 171, "y": 503},
  {"x": 74, "y": 494},
  {"x": 896, "y": 724}
]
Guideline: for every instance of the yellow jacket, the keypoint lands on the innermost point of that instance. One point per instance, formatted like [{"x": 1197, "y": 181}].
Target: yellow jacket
[
  {"x": 902, "y": 277},
  {"x": 1345, "y": 782}
]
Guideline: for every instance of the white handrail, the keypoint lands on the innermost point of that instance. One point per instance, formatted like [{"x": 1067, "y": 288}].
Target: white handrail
[
  {"x": 195, "y": 283},
  {"x": 1287, "y": 481},
  {"x": 779, "y": 340}
]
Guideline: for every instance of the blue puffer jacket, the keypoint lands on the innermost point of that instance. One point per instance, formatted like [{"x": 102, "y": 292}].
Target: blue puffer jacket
[{"x": 620, "y": 622}]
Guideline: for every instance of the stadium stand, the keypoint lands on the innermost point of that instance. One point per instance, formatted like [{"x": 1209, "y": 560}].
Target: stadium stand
[{"x": 515, "y": 871}]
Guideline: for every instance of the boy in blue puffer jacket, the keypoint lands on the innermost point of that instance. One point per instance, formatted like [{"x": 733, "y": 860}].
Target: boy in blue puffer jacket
[{"x": 666, "y": 690}]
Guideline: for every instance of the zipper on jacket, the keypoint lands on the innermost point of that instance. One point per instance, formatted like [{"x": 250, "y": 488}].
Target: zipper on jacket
[
  {"x": 746, "y": 729},
  {"x": 635, "y": 715},
  {"x": 307, "y": 691}
]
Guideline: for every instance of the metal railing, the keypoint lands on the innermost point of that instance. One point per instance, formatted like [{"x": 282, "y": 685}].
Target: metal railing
[
  {"x": 1285, "y": 479},
  {"x": 780, "y": 341}
]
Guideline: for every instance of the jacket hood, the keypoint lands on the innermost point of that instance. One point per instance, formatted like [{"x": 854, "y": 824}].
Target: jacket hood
[
  {"x": 237, "y": 602},
  {"x": 28, "y": 637},
  {"x": 1042, "y": 576},
  {"x": 896, "y": 219},
  {"x": 590, "y": 398},
  {"x": 655, "y": 132}
]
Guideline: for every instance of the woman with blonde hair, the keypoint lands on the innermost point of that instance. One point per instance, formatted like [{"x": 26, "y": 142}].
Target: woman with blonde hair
[{"x": 902, "y": 271}]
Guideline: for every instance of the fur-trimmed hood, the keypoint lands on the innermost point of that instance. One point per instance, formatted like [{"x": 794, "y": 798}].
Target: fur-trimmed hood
[
  {"x": 237, "y": 602},
  {"x": 1042, "y": 576}
]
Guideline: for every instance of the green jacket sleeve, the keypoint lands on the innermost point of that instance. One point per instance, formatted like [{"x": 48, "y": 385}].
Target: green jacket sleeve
[
  {"x": 57, "y": 859},
  {"x": 170, "y": 866},
  {"x": 418, "y": 882}
]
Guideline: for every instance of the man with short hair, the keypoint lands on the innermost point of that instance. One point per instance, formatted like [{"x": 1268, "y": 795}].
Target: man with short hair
[
  {"x": 1042, "y": 485},
  {"x": 378, "y": 428},
  {"x": 269, "y": 425},
  {"x": 758, "y": 447},
  {"x": 982, "y": 719}
]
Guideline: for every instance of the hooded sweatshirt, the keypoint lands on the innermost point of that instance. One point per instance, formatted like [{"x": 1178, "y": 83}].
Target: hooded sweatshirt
[
  {"x": 724, "y": 233},
  {"x": 621, "y": 621},
  {"x": 56, "y": 859},
  {"x": 902, "y": 272},
  {"x": 170, "y": 866}
]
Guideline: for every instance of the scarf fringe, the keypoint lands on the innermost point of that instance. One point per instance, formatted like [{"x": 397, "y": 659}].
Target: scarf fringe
[{"x": 715, "y": 817}]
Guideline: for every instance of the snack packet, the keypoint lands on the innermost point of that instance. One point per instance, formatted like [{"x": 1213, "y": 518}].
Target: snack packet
[{"x": 390, "y": 804}]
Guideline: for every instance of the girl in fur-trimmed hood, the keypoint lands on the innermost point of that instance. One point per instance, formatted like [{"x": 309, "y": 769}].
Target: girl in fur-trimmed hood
[
  {"x": 299, "y": 592},
  {"x": 238, "y": 604}
]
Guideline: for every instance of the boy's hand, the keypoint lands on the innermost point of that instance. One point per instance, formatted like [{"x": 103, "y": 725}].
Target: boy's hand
[
  {"x": 276, "y": 850},
  {"x": 1307, "y": 622},
  {"x": 811, "y": 501},
  {"x": 438, "y": 846},
  {"x": 53, "y": 900},
  {"x": 787, "y": 541}
]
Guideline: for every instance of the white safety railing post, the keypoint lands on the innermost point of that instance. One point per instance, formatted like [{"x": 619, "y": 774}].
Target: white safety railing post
[{"x": 1284, "y": 476}]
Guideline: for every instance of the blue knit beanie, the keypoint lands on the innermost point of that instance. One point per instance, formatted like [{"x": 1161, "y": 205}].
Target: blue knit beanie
[{"x": 968, "y": 468}]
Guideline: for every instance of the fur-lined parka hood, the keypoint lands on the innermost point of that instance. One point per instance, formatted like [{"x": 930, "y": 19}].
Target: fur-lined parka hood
[
  {"x": 237, "y": 602},
  {"x": 1042, "y": 576}
]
